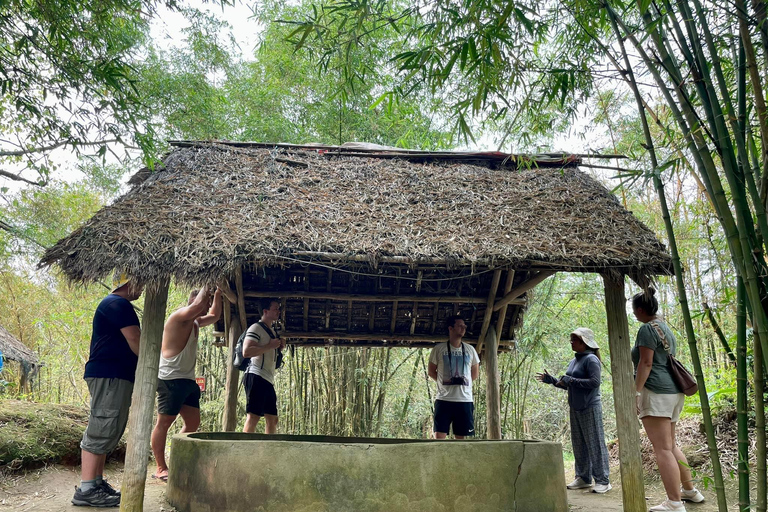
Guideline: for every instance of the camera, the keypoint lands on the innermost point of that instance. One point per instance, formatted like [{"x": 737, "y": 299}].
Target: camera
[{"x": 459, "y": 381}]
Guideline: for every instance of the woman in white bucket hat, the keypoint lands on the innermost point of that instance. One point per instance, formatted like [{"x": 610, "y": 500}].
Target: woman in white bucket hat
[{"x": 582, "y": 380}]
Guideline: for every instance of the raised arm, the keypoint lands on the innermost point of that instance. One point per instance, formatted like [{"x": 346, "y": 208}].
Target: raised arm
[{"x": 213, "y": 314}]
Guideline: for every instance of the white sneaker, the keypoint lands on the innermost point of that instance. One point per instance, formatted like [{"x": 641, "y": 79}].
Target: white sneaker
[
  {"x": 668, "y": 505},
  {"x": 602, "y": 488},
  {"x": 578, "y": 484},
  {"x": 693, "y": 495}
]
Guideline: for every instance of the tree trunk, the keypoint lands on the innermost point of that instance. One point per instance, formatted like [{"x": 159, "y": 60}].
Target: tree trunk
[{"x": 143, "y": 399}]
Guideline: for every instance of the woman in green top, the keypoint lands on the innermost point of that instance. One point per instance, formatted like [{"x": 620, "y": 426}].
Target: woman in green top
[{"x": 659, "y": 402}]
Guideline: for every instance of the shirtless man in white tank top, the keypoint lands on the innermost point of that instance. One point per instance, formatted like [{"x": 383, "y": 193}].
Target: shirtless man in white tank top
[{"x": 177, "y": 391}]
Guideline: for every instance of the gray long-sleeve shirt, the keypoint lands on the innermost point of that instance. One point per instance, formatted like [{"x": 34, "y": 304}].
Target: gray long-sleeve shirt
[{"x": 582, "y": 379}]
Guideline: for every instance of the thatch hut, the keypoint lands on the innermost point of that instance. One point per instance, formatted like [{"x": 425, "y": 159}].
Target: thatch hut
[
  {"x": 368, "y": 246},
  {"x": 14, "y": 350}
]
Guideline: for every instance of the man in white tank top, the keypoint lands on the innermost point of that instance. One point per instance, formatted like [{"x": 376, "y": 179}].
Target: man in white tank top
[{"x": 177, "y": 391}]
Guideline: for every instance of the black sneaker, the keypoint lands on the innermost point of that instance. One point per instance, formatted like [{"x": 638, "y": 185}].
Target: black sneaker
[
  {"x": 96, "y": 497},
  {"x": 109, "y": 489}
]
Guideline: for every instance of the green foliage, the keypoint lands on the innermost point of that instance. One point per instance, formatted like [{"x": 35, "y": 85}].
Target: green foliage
[{"x": 67, "y": 79}]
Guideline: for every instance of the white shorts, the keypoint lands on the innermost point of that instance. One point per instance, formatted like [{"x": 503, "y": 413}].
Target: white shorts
[{"x": 663, "y": 406}]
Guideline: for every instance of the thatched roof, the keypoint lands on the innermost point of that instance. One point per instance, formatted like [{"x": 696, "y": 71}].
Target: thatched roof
[
  {"x": 210, "y": 208},
  {"x": 15, "y": 350}
]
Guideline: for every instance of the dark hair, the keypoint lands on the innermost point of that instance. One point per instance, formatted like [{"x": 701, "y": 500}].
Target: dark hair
[
  {"x": 646, "y": 301},
  {"x": 266, "y": 303},
  {"x": 596, "y": 351},
  {"x": 193, "y": 295},
  {"x": 451, "y": 320}
]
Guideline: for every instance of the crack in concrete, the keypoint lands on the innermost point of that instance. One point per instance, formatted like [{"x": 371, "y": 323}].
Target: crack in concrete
[{"x": 514, "y": 484}]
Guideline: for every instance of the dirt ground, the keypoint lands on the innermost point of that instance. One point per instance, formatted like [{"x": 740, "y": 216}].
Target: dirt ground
[{"x": 50, "y": 490}]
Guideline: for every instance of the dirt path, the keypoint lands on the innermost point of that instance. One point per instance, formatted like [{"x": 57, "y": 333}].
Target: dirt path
[{"x": 50, "y": 490}]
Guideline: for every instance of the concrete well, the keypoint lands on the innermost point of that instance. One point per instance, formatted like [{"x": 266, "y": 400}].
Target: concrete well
[{"x": 236, "y": 472}]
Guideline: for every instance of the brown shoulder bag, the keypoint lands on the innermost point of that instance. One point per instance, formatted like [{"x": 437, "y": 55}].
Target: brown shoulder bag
[{"x": 682, "y": 378}]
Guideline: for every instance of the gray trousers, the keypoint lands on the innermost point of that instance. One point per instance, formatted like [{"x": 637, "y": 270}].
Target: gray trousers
[{"x": 588, "y": 440}]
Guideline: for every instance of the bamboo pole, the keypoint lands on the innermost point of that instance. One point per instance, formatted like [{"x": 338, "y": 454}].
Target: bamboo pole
[
  {"x": 522, "y": 288},
  {"x": 241, "y": 299},
  {"x": 760, "y": 444},
  {"x": 719, "y": 332},
  {"x": 489, "y": 309},
  {"x": 492, "y": 397},
  {"x": 441, "y": 299},
  {"x": 741, "y": 396},
  {"x": 229, "y": 421},
  {"x": 630, "y": 462},
  {"x": 681, "y": 292},
  {"x": 503, "y": 310},
  {"x": 143, "y": 399}
]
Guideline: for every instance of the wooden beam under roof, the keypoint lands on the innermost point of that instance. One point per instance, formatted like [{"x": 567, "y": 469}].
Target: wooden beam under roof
[{"x": 443, "y": 299}]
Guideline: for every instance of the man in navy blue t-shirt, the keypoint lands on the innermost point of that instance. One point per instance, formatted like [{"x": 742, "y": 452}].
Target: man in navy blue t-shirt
[{"x": 109, "y": 372}]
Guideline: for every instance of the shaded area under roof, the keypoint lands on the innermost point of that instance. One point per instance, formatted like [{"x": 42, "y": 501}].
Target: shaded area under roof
[{"x": 211, "y": 207}]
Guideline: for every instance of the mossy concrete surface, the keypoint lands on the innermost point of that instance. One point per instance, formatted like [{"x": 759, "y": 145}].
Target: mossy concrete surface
[{"x": 251, "y": 472}]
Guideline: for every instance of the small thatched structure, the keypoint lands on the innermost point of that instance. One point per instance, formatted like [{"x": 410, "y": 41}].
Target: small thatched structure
[
  {"x": 368, "y": 246},
  {"x": 15, "y": 350}
]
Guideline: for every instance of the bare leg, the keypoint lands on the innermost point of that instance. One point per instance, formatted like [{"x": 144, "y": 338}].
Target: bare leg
[
  {"x": 685, "y": 472},
  {"x": 660, "y": 431},
  {"x": 92, "y": 465},
  {"x": 271, "y": 424},
  {"x": 191, "y": 418},
  {"x": 158, "y": 441},
  {"x": 251, "y": 420},
  {"x": 440, "y": 435}
]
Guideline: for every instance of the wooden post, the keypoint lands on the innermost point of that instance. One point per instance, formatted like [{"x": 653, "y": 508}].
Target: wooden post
[
  {"x": 630, "y": 462},
  {"x": 492, "y": 398},
  {"x": 143, "y": 398},
  {"x": 488, "y": 309},
  {"x": 233, "y": 331}
]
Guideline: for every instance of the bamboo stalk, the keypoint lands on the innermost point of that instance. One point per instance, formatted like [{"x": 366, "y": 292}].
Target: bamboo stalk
[
  {"x": 489, "y": 309},
  {"x": 681, "y": 292},
  {"x": 521, "y": 289},
  {"x": 760, "y": 442},
  {"x": 719, "y": 332},
  {"x": 741, "y": 396}
]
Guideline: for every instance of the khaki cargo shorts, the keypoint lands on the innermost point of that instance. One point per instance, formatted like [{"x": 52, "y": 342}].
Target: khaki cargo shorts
[
  {"x": 663, "y": 406},
  {"x": 110, "y": 403}
]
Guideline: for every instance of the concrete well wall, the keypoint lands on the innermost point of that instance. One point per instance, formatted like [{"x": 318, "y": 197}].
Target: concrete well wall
[{"x": 236, "y": 472}]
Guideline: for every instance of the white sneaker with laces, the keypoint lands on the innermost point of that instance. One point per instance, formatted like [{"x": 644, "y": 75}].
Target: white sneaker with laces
[
  {"x": 602, "y": 488},
  {"x": 578, "y": 484},
  {"x": 693, "y": 495},
  {"x": 667, "y": 505}
]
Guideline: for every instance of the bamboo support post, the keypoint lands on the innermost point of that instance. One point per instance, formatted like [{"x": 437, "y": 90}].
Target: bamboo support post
[
  {"x": 241, "y": 300},
  {"x": 522, "y": 288},
  {"x": 232, "y": 332},
  {"x": 503, "y": 310},
  {"x": 143, "y": 398},
  {"x": 627, "y": 426},
  {"x": 489, "y": 309},
  {"x": 492, "y": 395}
]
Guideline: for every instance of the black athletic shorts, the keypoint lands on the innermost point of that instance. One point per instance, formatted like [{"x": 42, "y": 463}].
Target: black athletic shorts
[
  {"x": 260, "y": 397},
  {"x": 173, "y": 394},
  {"x": 461, "y": 414}
]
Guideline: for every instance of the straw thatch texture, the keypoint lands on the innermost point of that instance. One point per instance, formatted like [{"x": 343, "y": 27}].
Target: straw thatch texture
[
  {"x": 211, "y": 208},
  {"x": 15, "y": 350}
]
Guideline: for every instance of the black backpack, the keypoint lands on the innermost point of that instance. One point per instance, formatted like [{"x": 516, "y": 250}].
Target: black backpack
[{"x": 238, "y": 361}]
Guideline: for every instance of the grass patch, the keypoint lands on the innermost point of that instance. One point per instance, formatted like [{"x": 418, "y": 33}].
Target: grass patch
[{"x": 35, "y": 434}]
